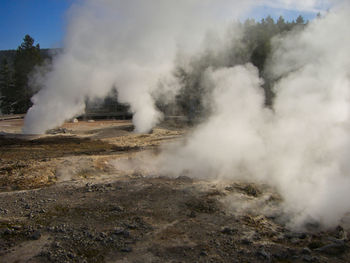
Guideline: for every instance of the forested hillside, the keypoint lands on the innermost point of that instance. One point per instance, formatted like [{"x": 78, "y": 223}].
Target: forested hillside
[{"x": 253, "y": 47}]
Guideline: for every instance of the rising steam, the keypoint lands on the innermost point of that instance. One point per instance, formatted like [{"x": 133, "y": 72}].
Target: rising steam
[
  {"x": 301, "y": 146},
  {"x": 130, "y": 45}
]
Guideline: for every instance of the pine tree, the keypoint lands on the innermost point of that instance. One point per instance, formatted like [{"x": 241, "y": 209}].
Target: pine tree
[
  {"x": 300, "y": 20},
  {"x": 27, "y": 57},
  {"x": 281, "y": 24},
  {"x": 7, "y": 88}
]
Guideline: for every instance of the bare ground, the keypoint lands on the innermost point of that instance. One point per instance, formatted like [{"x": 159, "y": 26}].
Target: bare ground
[{"x": 62, "y": 199}]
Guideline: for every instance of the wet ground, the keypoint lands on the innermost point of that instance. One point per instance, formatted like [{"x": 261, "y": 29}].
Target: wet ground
[{"x": 64, "y": 199}]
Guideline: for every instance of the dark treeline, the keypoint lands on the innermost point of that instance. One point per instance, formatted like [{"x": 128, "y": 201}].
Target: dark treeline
[
  {"x": 15, "y": 71},
  {"x": 254, "y": 46}
]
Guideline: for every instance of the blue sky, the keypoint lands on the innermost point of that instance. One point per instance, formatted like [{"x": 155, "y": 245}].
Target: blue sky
[
  {"x": 289, "y": 15},
  {"x": 45, "y": 20},
  {"x": 42, "y": 19}
]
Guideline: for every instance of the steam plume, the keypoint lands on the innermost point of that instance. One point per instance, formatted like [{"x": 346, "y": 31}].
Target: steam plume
[
  {"x": 129, "y": 45},
  {"x": 302, "y": 145}
]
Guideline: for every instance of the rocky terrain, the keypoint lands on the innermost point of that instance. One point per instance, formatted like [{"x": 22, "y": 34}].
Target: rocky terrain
[{"x": 64, "y": 199}]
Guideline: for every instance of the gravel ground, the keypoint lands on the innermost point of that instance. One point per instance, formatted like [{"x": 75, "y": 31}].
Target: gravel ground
[{"x": 61, "y": 200}]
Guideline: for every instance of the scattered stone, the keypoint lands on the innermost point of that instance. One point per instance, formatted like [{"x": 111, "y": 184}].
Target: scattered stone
[
  {"x": 184, "y": 179},
  {"x": 228, "y": 231},
  {"x": 36, "y": 235},
  {"x": 16, "y": 227},
  {"x": 71, "y": 255},
  {"x": 295, "y": 235},
  {"x": 248, "y": 189},
  {"x": 263, "y": 254},
  {"x": 229, "y": 188},
  {"x": 306, "y": 251},
  {"x": 333, "y": 249},
  {"x": 203, "y": 253},
  {"x": 117, "y": 209},
  {"x": 246, "y": 241},
  {"x": 8, "y": 231},
  {"x": 3, "y": 211},
  {"x": 281, "y": 255},
  {"x": 57, "y": 131},
  {"x": 30, "y": 215},
  {"x": 341, "y": 233},
  {"x": 192, "y": 214},
  {"x": 308, "y": 258},
  {"x": 126, "y": 249},
  {"x": 119, "y": 231}
]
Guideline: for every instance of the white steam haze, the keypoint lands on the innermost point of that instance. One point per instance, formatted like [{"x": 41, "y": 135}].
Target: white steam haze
[
  {"x": 130, "y": 45},
  {"x": 301, "y": 146}
]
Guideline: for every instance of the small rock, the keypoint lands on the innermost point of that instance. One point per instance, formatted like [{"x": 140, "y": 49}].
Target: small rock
[
  {"x": 229, "y": 188},
  {"x": 36, "y": 235},
  {"x": 281, "y": 255},
  {"x": 341, "y": 233},
  {"x": 4, "y": 211},
  {"x": 228, "y": 231},
  {"x": 263, "y": 254},
  {"x": 203, "y": 253},
  {"x": 332, "y": 249},
  {"x": 192, "y": 214},
  {"x": 306, "y": 251},
  {"x": 117, "y": 209},
  {"x": 8, "y": 231},
  {"x": 308, "y": 258},
  {"x": 126, "y": 249},
  {"x": 16, "y": 227},
  {"x": 184, "y": 179},
  {"x": 246, "y": 241},
  {"x": 71, "y": 255},
  {"x": 121, "y": 231},
  {"x": 30, "y": 215},
  {"x": 295, "y": 235}
]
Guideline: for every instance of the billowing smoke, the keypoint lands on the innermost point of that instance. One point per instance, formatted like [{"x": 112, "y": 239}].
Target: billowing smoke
[{"x": 301, "y": 146}]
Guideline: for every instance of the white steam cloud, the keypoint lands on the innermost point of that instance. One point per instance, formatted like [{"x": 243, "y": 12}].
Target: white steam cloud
[
  {"x": 302, "y": 146},
  {"x": 130, "y": 45}
]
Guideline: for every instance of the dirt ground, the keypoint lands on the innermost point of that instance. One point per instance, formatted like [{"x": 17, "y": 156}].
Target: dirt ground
[{"x": 63, "y": 199}]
